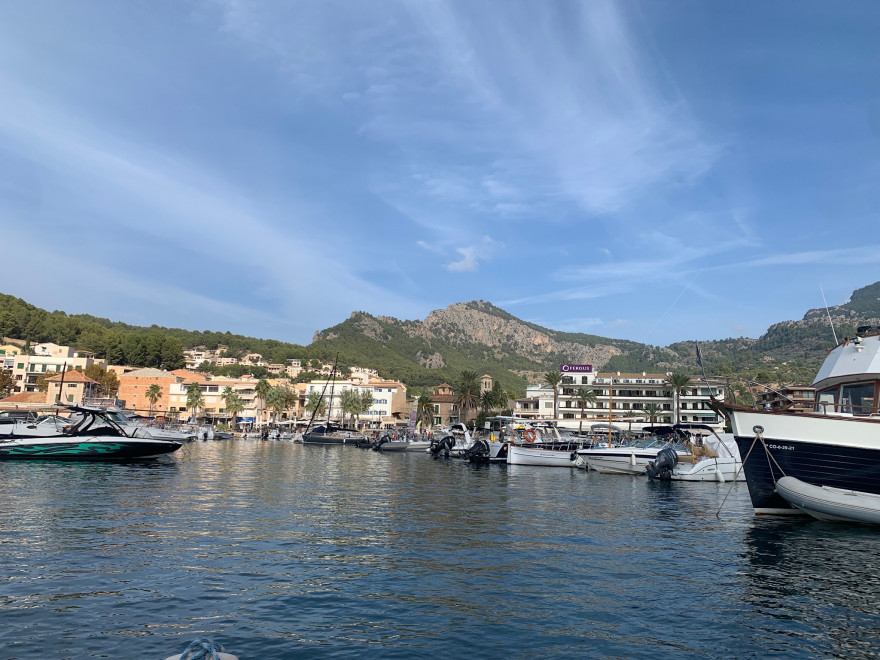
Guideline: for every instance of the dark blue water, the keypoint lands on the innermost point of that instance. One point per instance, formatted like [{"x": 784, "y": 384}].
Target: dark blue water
[{"x": 284, "y": 551}]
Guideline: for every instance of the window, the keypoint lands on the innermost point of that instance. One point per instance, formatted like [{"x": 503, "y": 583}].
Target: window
[
  {"x": 436, "y": 408},
  {"x": 857, "y": 399},
  {"x": 20, "y": 365},
  {"x": 827, "y": 400}
]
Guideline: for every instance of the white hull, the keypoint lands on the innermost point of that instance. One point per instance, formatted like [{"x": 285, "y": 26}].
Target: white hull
[
  {"x": 826, "y": 503},
  {"x": 618, "y": 464},
  {"x": 710, "y": 469},
  {"x": 421, "y": 446},
  {"x": 518, "y": 455},
  {"x": 621, "y": 460}
]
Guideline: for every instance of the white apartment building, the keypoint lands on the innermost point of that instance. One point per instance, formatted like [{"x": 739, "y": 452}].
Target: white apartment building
[
  {"x": 389, "y": 399},
  {"x": 26, "y": 369},
  {"x": 623, "y": 397},
  {"x": 215, "y": 406}
]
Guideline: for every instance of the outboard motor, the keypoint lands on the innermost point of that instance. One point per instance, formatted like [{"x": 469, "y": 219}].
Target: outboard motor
[
  {"x": 376, "y": 446},
  {"x": 661, "y": 467},
  {"x": 443, "y": 445},
  {"x": 478, "y": 452}
]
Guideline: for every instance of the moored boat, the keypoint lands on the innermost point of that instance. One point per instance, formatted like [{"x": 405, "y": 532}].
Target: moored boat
[
  {"x": 827, "y": 503},
  {"x": 633, "y": 458},
  {"x": 92, "y": 436},
  {"x": 836, "y": 445},
  {"x": 331, "y": 434}
]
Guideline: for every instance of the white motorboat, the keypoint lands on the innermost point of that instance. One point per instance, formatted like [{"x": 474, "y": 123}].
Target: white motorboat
[
  {"x": 836, "y": 445},
  {"x": 633, "y": 458},
  {"x": 715, "y": 457},
  {"x": 536, "y": 454},
  {"x": 402, "y": 445},
  {"x": 454, "y": 441},
  {"x": 827, "y": 503}
]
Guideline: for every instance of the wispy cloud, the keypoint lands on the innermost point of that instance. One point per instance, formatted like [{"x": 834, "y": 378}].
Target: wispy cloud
[
  {"x": 582, "y": 121},
  {"x": 468, "y": 261}
]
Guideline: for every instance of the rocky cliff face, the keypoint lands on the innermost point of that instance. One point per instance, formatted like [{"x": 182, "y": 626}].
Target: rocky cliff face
[{"x": 478, "y": 323}]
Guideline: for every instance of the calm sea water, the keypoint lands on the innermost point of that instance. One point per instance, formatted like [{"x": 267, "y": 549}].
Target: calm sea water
[{"x": 278, "y": 550}]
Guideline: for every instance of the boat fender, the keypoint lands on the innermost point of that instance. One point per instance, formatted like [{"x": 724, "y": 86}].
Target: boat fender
[
  {"x": 203, "y": 649},
  {"x": 574, "y": 456}
]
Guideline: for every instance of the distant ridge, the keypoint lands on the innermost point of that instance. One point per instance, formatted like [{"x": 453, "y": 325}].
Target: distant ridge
[{"x": 476, "y": 336}]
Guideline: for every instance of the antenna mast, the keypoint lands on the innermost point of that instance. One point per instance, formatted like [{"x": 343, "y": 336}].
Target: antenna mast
[{"x": 830, "y": 322}]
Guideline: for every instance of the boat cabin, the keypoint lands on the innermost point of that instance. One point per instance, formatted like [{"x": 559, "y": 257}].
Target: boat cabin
[{"x": 849, "y": 381}]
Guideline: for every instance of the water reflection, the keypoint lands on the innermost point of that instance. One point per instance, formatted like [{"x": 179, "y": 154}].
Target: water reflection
[
  {"x": 815, "y": 581},
  {"x": 276, "y": 548}
]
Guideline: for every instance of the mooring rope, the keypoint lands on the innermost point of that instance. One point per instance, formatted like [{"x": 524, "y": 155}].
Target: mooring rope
[
  {"x": 759, "y": 437},
  {"x": 741, "y": 468}
]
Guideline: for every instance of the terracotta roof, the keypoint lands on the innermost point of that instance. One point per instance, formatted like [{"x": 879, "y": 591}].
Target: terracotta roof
[
  {"x": 25, "y": 397},
  {"x": 190, "y": 375},
  {"x": 71, "y": 377}
]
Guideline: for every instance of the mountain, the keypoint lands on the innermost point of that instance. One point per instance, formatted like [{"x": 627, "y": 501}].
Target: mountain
[
  {"x": 475, "y": 336},
  {"x": 479, "y": 336}
]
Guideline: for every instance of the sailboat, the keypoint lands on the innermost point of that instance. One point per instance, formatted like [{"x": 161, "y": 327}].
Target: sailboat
[{"x": 330, "y": 433}]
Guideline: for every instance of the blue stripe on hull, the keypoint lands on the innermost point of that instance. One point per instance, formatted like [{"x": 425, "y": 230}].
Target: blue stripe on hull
[{"x": 816, "y": 464}]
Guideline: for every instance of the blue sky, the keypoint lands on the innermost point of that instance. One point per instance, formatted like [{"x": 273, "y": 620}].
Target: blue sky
[{"x": 656, "y": 171}]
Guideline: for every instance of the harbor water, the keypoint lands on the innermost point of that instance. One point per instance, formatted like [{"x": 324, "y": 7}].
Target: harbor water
[{"x": 279, "y": 550}]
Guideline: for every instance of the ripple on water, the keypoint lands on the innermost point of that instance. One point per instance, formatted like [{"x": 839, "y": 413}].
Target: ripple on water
[{"x": 281, "y": 551}]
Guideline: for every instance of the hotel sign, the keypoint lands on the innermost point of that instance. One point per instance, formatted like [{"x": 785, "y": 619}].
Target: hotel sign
[{"x": 576, "y": 368}]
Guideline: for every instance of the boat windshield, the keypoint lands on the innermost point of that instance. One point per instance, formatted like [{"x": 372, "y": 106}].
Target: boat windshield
[{"x": 857, "y": 399}]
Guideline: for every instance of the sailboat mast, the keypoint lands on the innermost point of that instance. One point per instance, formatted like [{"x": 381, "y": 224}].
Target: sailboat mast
[{"x": 332, "y": 384}]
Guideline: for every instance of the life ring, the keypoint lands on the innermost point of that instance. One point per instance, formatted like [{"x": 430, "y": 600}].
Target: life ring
[{"x": 530, "y": 435}]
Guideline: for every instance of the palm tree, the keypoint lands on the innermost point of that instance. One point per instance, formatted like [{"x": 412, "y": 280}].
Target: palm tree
[
  {"x": 194, "y": 398},
  {"x": 467, "y": 392},
  {"x": 652, "y": 411},
  {"x": 367, "y": 402},
  {"x": 350, "y": 400},
  {"x": 510, "y": 397},
  {"x": 263, "y": 387},
  {"x": 630, "y": 415},
  {"x": 424, "y": 410},
  {"x": 234, "y": 405},
  {"x": 584, "y": 397},
  {"x": 227, "y": 393},
  {"x": 316, "y": 404},
  {"x": 553, "y": 379},
  {"x": 487, "y": 401},
  {"x": 291, "y": 397},
  {"x": 153, "y": 394},
  {"x": 677, "y": 381},
  {"x": 276, "y": 400}
]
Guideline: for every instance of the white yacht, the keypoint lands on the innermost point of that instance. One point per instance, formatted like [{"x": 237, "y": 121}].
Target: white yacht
[{"x": 835, "y": 445}]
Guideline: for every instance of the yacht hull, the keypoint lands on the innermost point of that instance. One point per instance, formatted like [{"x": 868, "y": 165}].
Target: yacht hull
[{"x": 840, "y": 452}]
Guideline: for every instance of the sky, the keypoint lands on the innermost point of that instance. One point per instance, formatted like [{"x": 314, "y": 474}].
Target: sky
[{"x": 657, "y": 171}]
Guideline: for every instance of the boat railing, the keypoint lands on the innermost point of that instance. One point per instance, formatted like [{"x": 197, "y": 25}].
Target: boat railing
[{"x": 845, "y": 409}]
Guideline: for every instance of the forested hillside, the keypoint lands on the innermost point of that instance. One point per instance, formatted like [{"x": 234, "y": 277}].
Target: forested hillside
[{"x": 474, "y": 336}]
